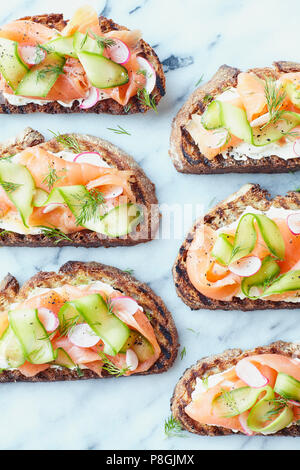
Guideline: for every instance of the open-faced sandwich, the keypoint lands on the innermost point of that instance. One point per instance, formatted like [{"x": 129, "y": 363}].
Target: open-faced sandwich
[
  {"x": 254, "y": 392},
  {"x": 242, "y": 122},
  {"x": 87, "y": 64},
  {"x": 87, "y": 321},
  {"x": 75, "y": 190},
  {"x": 244, "y": 254}
]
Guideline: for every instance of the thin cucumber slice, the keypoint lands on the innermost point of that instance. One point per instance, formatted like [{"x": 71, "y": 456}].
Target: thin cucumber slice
[
  {"x": 235, "y": 402},
  {"x": 103, "y": 72},
  {"x": 293, "y": 93},
  {"x": 275, "y": 131},
  {"x": 17, "y": 176},
  {"x": 105, "y": 324},
  {"x": 268, "y": 271},
  {"x": 40, "y": 197},
  {"x": 222, "y": 249},
  {"x": 41, "y": 78},
  {"x": 211, "y": 118},
  {"x": 63, "y": 359},
  {"x": 287, "y": 387},
  {"x": 84, "y": 43},
  {"x": 122, "y": 220},
  {"x": 246, "y": 236},
  {"x": 63, "y": 46},
  {"x": 285, "y": 283},
  {"x": 12, "y": 67},
  {"x": 32, "y": 335},
  {"x": 11, "y": 351},
  {"x": 235, "y": 121}
]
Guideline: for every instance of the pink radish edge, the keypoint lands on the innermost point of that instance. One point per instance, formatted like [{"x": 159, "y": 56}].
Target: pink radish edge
[
  {"x": 149, "y": 69},
  {"x": 119, "y": 52},
  {"x": 126, "y": 304},
  {"x": 52, "y": 206},
  {"x": 83, "y": 336},
  {"x": 246, "y": 267},
  {"x": 248, "y": 373},
  {"x": 297, "y": 142},
  {"x": 92, "y": 99},
  {"x": 294, "y": 403},
  {"x": 243, "y": 422},
  {"x": 29, "y": 54},
  {"x": 48, "y": 319},
  {"x": 294, "y": 226}
]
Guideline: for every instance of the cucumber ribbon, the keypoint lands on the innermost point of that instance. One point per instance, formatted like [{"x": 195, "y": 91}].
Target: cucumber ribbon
[
  {"x": 93, "y": 310},
  {"x": 246, "y": 237},
  {"x": 221, "y": 114},
  {"x": 117, "y": 222},
  {"x": 260, "y": 418}
]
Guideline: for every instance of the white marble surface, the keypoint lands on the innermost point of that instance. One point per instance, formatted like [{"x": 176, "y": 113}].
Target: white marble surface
[{"x": 129, "y": 413}]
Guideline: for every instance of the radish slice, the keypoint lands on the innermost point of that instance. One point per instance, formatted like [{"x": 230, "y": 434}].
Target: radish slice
[
  {"x": 217, "y": 138},
  {"x": 293, "y": 222},
  {"x": 32, "y": 55},
  {"x": 93, "y": 158},
  {"x": 296, "y": 147},
  {"x": 125, "y": 304},
  {"x": 243, "y": 420},
  {"x": 92, "y": 99},
  {"x": 52, "y": 206},
  {"x": 131, "y": 360},
  {"x": 150, "y": 73},
  {"x": 260, "y": 121},
  {"x": 48, "y": 319},
  {"x": 83, "y": 336},
  {"x": 246, "y": 267},
  {"x": 111, "y": 191},
  {"x": 294, "y": 403},
  {"x": 249, "y": 374},
  {"x": 119, "y": 52}
]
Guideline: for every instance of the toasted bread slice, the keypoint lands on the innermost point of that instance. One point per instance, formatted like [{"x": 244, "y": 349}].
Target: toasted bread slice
[
  {"x": 223, "y": 214},
  {"x": 142, "y": 187},
  {"x": 74, "y": 273},
  {"x": 185, "y": 153},
  {"x": 213, "y": 365},
  {"x": 109, "y": 106}
]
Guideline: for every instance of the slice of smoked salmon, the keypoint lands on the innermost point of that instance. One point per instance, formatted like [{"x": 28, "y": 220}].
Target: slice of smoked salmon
[
  {"x": 31, "y": 370},
  {"x": 73, "y": 84},
  {"x": 83, "y": 20},
  {"x": 252, "y": 92},
  {"x": 60, "y": 218},
  {"x": 27, "y": 32},
  {"x": 78, "y": 355},
  {"x": 198, "y": 264},
  {"x": 50, "y": 300},
  {"x": 278, "y": 362}
]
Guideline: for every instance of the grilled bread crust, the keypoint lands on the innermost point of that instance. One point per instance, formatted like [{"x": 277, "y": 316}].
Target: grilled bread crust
[
  {"x": 185, "y": 153},
  {"x": 142, "y": 187},
  {"x": 182, "y": 395},
  {"x": 109, "y": 106},
  {"x": 223, "y": 214},
  {"x": 74, "y": 273}
]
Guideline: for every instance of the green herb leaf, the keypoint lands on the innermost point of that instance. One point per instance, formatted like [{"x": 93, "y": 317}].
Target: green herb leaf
[
  {"x": 68, "y": 141},
  {"x": 199, "y": 81},
  {"x": 42, "y": 73},
  {"x": 275, "y": 97},
  {"x": 119, "y": 130},
  {"x": 89, "y": 206},
  {"x": 173, "y": 428},
  {"x": 52, "y": 232},
  {"x": 79, "y": 371},
  {"x": 183, "y": 353},
  {"x": 147, "y": 99},
  {"x": 52, "y": 177},
  {"x": 9, "y": 187},
  {"x": 103, "y": 42},
  {"x": 110, "y": 367}
]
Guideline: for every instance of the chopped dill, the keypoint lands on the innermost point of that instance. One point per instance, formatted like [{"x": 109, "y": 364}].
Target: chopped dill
[
  {"x": 172, "y": 428},
  {"x": 68, "y": 141},
  {"x": 52, "y": 232}
]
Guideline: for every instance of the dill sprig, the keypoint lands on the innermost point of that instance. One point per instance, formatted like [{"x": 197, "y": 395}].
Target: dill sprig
[
  {"x": 88, "y": 206},
  {"x": 68, "y": 325},
  {"x": 129, "y": 271},
  {"x": 110, "y": 367},
  {"x": 149, "y": 315},
  {"x": 42, "y": 73},
  {"x": 275, "y": 97},
  {"x": 173, "y": 428},
  {"x": 79, "y": 371},
  {"x": 127, "y": 108},
  {"x": 9, "y": 186},
  {"x": 4, "y": 232},
  {"x": 207, "y": 98},
  {"x": 119, "y": 130},
  {"x": 199, "y": 81},
  {"x": 52, "y": 177},
  {"x": 52, "y": 232},
  {"x": 103, "y": 42},
  {"x": 7, "y": 158},
  {"x": 146, "y": 99},
  {"x": 68, "y": 141},
  {"x": 183, "y": 353},
  {"x": 278, "y": 405}
]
